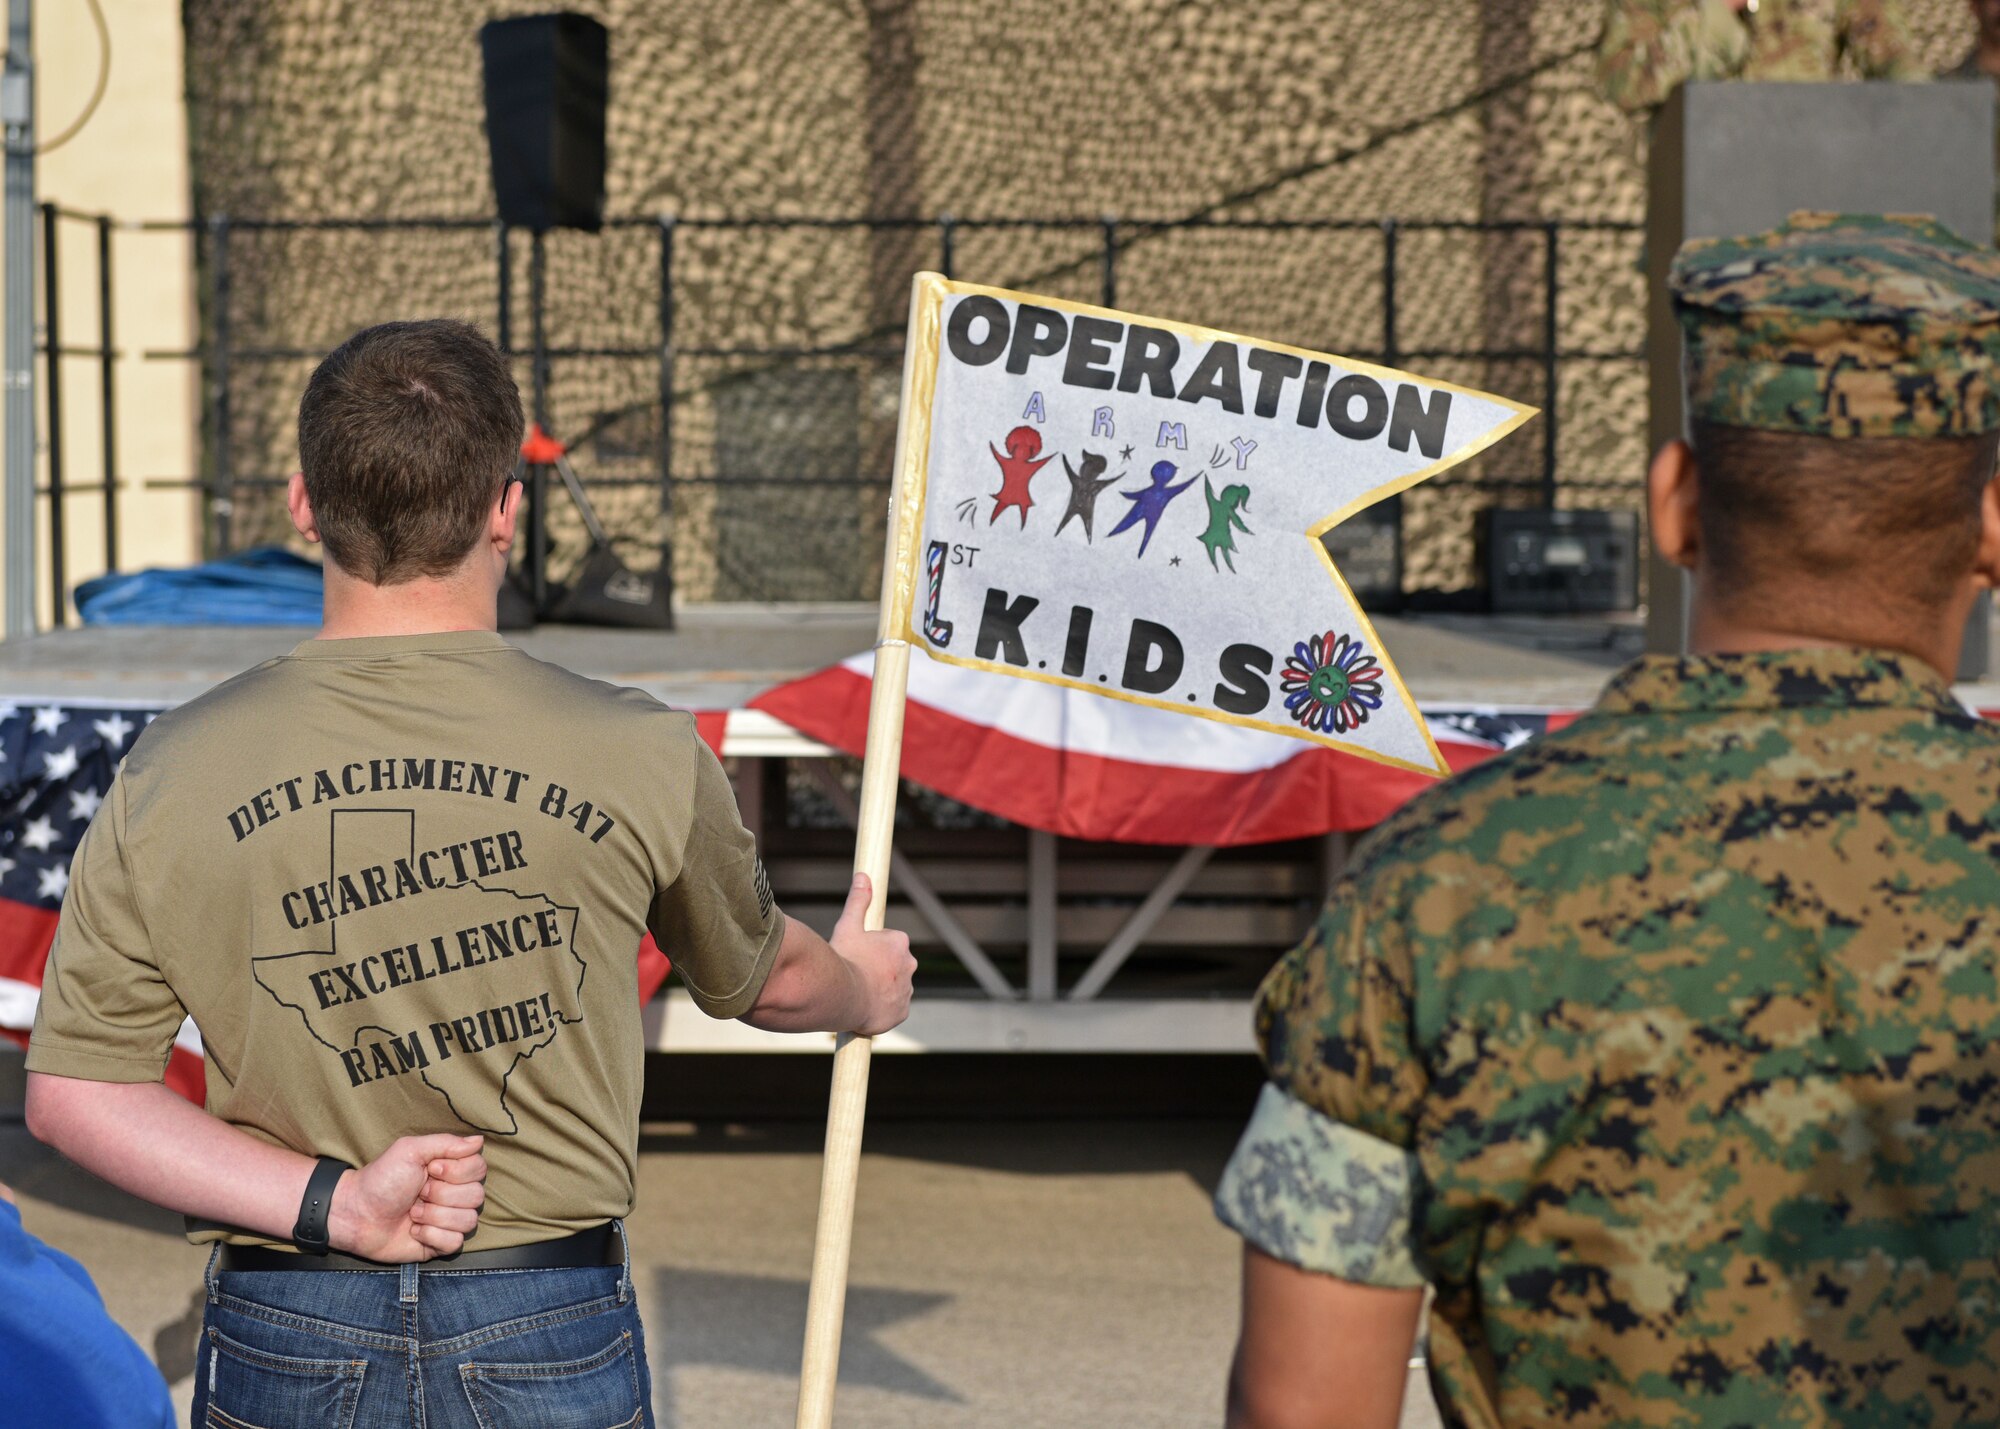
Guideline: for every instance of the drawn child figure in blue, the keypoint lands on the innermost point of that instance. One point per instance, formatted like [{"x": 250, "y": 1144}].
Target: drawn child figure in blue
[{"x": 1149, "y": 503}]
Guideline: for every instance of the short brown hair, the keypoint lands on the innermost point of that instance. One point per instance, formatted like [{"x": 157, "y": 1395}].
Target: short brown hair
[
  {"x": 1892, "y": 519},
  {"x": 407, "y": 432}
]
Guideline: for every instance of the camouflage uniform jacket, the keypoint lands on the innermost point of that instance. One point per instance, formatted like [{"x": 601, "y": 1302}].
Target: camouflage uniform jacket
[
  {"x": 1667, "y": 1049},
  {"x": 1650, "y": 47}
]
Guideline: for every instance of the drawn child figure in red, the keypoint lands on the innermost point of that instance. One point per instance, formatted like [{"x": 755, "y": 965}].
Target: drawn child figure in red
[{"x": 1017, "y": 469}]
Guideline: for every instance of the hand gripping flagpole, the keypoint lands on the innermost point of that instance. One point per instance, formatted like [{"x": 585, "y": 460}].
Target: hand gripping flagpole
[{"x": 847, "y": 1106}]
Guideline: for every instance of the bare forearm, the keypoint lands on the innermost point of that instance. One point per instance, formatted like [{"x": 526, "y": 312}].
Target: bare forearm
[
  {"x": 858, "y": 982},
  {"x": 811, "y": 988},
  {"x": 1319, "y": 1353},
  {"x": 418, "y": 1198},
  {"x": 150, "y": 1141}
]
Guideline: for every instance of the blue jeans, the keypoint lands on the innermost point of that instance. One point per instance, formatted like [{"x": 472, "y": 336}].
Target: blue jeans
[{"x": 464, "y": 1349}]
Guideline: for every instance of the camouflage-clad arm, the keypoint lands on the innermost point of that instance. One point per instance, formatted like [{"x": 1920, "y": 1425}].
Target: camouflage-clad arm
[
  {"x": 1334, "y": 1020},
  {"x": 1875, "y": 35},
  {"x": 1650, "y": 47},
  {"x": 1314, "y": 1193},
  {"x": 1323, "y": 1177}
]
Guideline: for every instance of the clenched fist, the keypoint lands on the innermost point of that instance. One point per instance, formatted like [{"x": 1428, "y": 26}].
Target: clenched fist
[{"x": 417, "y": 1200}]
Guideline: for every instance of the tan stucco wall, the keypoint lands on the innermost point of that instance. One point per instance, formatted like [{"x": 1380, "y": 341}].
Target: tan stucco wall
[
  {"x": 1349, "y": 109},
  {"x": 1353, "y": 109},
  {"x": 131, "y": 161}
]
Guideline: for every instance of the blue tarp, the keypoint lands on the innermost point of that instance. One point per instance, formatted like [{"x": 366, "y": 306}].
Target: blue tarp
[{"x": 265, "y": 586}]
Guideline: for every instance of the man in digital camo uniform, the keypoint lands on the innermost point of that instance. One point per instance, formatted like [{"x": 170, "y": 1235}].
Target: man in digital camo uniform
[
  {"x": 1667, "y": 1047},
  {"x": 399, "y": 878},
  {"x": 1651, "y": 47}
]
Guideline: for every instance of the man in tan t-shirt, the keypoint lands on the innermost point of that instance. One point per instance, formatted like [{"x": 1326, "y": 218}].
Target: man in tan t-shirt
[{"x": 399, "y": 878}]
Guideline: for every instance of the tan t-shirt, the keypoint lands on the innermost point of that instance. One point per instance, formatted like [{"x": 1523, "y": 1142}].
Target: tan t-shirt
[{"x": 400, "y": 884}]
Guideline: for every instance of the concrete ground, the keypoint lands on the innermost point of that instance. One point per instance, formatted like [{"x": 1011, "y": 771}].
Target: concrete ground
[{"x": 1005, "y": 1273}]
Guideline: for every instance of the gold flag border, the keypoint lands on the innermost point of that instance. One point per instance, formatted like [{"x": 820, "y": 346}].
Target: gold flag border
[{"x": 930, "y": 291}]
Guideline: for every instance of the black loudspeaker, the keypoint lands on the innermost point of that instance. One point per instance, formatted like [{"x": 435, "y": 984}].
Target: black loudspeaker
[
  {"x": 548, "y": 78},
  {"x": 1367, "y": 550},
  {"x": 605, "y": 591},
  {"x": 517, "y": 605},
  {"x": 1562, "y": 562}
]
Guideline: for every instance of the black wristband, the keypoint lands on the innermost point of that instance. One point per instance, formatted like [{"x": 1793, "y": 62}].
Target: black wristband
[{"x": 310, "y": 1234}]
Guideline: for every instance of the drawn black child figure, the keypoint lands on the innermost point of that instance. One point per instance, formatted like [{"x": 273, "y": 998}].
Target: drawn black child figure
[
  {"x": 1149, "y": 503},
  {"x": 1224, "y": 513},
  {"x": 1084, "y": 489}
]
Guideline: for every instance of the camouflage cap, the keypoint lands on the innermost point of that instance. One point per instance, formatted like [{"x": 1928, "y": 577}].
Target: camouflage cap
[{"x": 1842, "y": 325}]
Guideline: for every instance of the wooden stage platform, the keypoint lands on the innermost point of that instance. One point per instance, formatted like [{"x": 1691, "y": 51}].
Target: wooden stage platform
[
  {"x": 1028, "y": 942},
  {"x": 723, "y": 655}
]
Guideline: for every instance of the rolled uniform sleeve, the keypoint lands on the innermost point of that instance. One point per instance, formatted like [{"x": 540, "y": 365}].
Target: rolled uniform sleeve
[
  {"x": 1876, "y": 36},
  {"x": 1652, "y": 47},
  {"x": 1325, "y": 1175},
  {"x": 715, "y": 918},
  {"x": 106, "y": 1013}
]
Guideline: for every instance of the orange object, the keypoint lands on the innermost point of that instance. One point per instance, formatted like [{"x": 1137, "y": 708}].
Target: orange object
[{"x": 541, "y": 449}]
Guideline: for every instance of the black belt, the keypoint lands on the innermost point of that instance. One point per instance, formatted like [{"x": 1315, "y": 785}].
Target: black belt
[{"x": 581, "y": 1251}]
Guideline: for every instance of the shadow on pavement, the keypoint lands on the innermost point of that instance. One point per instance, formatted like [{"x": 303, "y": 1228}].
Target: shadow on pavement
[
  {"x": 176, "y": 1343},
  {"x": 1027, "y": 1148},
  {"x": 35, "y": 1171},
  {"x": 756, "y": 1323},
  {"x": 957, "y": 1086}
]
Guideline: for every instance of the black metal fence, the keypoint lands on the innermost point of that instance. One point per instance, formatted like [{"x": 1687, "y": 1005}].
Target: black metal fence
[
  {"x": 1095, "y": 259},
  {"x": 57, "y": 354}
]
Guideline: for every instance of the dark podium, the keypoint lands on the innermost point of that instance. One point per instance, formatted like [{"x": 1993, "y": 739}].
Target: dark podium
[{"x": 1731, "y": 158}]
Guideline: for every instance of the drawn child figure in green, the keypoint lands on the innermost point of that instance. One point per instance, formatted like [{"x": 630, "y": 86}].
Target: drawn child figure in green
[{"x": 1223, "y": 513}]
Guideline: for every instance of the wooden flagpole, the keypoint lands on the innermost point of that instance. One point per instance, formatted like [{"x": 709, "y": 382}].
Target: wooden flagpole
[{"x": 847, "y": 1106}]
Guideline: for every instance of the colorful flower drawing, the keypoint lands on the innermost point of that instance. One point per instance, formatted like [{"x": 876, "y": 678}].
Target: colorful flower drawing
[{"x": 1331, "y": 683}]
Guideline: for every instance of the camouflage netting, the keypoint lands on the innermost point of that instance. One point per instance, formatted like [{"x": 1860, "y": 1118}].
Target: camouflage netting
[{"x": 1291, "y": 109}]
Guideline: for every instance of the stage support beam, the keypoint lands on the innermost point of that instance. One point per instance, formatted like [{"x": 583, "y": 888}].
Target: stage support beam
[
  {"x": 1042, "y": 940},
  {"x": 1106, "y": 964},
  {"x": 920, "y": 893},
  {"x": 17, "y": 114}
]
